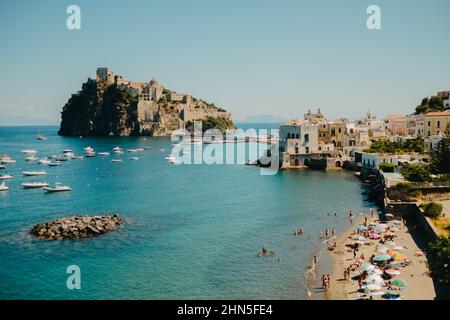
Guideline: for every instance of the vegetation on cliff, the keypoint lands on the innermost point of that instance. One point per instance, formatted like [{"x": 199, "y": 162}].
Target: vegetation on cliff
[
  {"x": 398, "y": 147},
  {"x": 433, "y": 103},
  {"x": 208, "y": 123},
  {"x": 99, "y": 110}
]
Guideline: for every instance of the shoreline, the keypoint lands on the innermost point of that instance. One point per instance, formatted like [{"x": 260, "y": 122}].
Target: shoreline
[{"x": 415, "y": 274}]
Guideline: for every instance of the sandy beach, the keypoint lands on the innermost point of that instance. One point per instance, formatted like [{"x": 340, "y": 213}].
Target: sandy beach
[{"x": 419, "y": 285}]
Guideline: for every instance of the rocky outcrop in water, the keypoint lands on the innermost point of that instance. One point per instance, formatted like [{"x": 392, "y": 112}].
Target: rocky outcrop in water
[{"x": 76, "y": 227}]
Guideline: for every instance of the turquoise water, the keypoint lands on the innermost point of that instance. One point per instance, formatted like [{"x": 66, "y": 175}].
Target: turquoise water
[{"x": 190, "y": 232}]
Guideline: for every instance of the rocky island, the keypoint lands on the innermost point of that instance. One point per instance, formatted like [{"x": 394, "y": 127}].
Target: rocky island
[
  {"x": 113, "y": 106},
  {"x": 76, "y": 227}
]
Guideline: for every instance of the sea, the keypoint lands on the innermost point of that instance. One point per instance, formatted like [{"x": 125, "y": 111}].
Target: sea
[{"x": 191, "y": 231}]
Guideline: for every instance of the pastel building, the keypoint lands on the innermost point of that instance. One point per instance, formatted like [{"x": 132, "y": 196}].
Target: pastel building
[{"x": 435, "y": 123}]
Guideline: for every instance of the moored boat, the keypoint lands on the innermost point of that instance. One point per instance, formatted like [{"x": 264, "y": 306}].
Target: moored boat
[
  {"x": 29, "y": 151},
  {"x": 32, "y": 158},
  {"x": 103, "y": 153},
  {"x": 31, "y": 185},
  {"x": 34, "y": 173},
  {"x": 57, "y": 188},
  {"x": 3, "y": 187},
  {"x": 5, "y": 177}
]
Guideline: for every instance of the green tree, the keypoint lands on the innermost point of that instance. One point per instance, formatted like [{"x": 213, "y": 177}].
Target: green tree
[
  {"x": 440, "y": 162},
  {"x": 439, "y": 264},
  {"x": 430, "y": 104},
  {"x": 416, "y": 172},
  {"x": 432, "y": 209}
]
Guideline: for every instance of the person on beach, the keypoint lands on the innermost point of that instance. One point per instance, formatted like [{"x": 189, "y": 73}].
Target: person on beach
[
  {"x": 333, "y": 232},
  {"x": 371, "y": 212},
  {"x": 328, "y": 281},
  {"x": 314, "y": 261},
  {"x": 365, "y": 221},
  {"x": 320, "y": 234},
  {"x": 327, "y": 233},
  {"x": 335, "y": 214},
  {"x": 300, "y": 231}
]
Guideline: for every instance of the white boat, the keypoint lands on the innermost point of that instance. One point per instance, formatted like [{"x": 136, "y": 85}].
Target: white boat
[
  {"x": 103, "y": 153},
  {"x": 29, "y": 151},
  {"x": 68, "y": 151},
  {"x": 54, "y": 164},
  {"x": 44, "y": 161},
  {"x": 132, "y": 150},
  {"x": 134, "y": 158},
  {"x": 32, "y": 158},
  {"x": 7, "y": 160},
  {"x": 57, "y": 188},
  {"x": 41, "y": 137},
  {"x": 31, "y": 185},
  {"x": 90, "y": 154},
  {"x": 170, "y": 158},
  {"x": 140, "y": 149},
  {"x": 3, "y": 187},
  {"x": 34, "y": 173},
  {"x": 117, "y": 149},
  {"x": 116, "y": 160},
  {"x": 88, "y": 149},
  {"x": 5, "y": 177}
]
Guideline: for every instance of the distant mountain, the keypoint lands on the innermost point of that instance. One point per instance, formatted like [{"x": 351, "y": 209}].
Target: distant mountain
[{"x": 264, "y": 118}]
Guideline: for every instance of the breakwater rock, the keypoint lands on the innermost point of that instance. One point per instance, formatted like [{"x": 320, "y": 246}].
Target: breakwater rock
[{"x": 76, "y": 227}]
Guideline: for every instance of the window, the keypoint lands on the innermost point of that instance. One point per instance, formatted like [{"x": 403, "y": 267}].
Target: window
[
  {"x": 307, "y": 149},
  {"x": 438, "y": 124},
  {"x": 297, "y": 136},
  {"x": 306, "y": 137}
]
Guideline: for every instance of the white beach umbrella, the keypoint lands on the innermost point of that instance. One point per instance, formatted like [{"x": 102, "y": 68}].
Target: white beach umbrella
[{"x": 373, "y": 287}]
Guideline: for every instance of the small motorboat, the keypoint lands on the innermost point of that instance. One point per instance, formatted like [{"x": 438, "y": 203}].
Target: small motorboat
[
  {"x": 44, "y": 161},
  {"x": 34, "y": 173},
  {"x": 140, "y": 149},
  {"x": 5, "y": 177},
  {"x": 7, "y": 160},
  {"x": 134, "y": 158},
  {"x": 32, "y": 158},
  {"x": 61, "y": 159},
  {"x": 57, "y": 188},
  {"x": 32, "y": 185},
  {"x": 117, "y": 149},
  {"x": 2, "y": 167},
  {"x": 54, "y": 164},
  {"x": 132, "y": 150},
  {"x": 29, "y": 151},
  {"x": 68, "y": 151},
  {"x": 103, "y": 154},
  {"x": 41, "y": 137},
  {"x": 116, "y": 160},
  {"x": 90, "y": 154},
  {"x": 88, "y": 149},
  {"x": 170, "y": 158},
  {"x": 3, "y": 187}
]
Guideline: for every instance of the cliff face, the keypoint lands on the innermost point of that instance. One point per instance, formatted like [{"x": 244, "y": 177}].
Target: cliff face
[
  {"x": 106, "y": 109},
  {"x": 100, "y": 110}
]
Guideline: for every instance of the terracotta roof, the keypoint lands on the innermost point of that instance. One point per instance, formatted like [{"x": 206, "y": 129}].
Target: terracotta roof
[{"x": 438, "y": 113}]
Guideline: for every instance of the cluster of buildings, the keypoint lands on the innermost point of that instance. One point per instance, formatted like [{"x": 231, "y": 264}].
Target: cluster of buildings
[
  {"x": 318, "y": 142},
  {"x": 152, "y": 97}
]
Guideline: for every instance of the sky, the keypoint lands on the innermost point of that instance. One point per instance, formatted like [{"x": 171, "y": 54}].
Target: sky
[{"x": 250, "y": 57}]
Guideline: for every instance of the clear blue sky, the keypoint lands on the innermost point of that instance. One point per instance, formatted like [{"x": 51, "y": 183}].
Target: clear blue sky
[{"x": 251, "y": 57}]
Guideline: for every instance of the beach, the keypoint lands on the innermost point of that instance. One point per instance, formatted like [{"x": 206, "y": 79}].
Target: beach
[{"x": 419, "y": 285}]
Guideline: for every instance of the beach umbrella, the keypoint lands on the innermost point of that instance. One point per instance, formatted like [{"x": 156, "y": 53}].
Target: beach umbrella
[
  {"x": 367, "y": 267},
  {"x": 392, "y": 252},
  {"x": 382, "y": 257},
  {"x": 392, "y": 272},
  {"x": 398, "y": 283},
  {"x": 373, "y": 287},
  {"x": 361, "y": 228},
  {"x": 375, "y": 278},
  {"x": 374, "y": 236},
  {"x": 399, "y": 257},
  {"x": 390, "y": 215},
  {"x": 390, "y": 243},
  {"x": 398, "y": 248},
  {"x": 382, "y": 249},
  {"x": 395, "y": 229}
]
